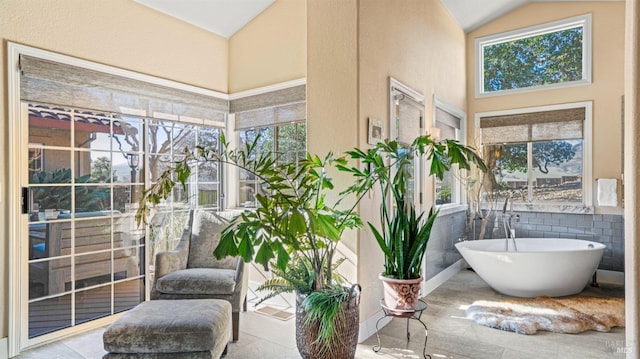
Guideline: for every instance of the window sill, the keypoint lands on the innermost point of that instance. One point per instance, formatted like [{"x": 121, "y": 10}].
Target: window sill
[
  {"x": 447, "y": 209},
  {"x": 551, "y": 208}
]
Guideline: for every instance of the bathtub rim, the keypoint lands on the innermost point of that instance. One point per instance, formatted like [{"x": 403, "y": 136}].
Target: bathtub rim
[{"x": 597, "y": 245}]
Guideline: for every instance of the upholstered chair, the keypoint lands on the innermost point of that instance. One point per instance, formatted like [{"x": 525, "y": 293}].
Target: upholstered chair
[{"x": 190, "y": 271}]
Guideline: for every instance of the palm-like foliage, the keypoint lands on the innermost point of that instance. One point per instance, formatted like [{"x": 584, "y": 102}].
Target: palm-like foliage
[
  {"x": 294, "y": 230},
  {"x": 405, "y": 234},
  {"x": 292, "y": 220}
]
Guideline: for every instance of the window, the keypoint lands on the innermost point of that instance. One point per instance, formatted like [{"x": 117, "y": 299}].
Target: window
[
  {"x": 286, "y": 142},
  {"x": 167, "y": 140},
  {"x": 540, "y": 156},
  {"x": 406, "y": 121},
  {"x": 36, "y": 159},
  {"x": 278, "y": 115},
  {"x": 449, "y": 123},
  {"x": 549, "y": 55}
]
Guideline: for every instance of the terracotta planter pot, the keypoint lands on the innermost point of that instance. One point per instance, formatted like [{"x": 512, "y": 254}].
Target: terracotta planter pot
[{"x": 401, "y": 294}]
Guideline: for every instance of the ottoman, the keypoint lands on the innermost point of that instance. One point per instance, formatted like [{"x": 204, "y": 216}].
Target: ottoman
[{"x": 193, "y": 328}]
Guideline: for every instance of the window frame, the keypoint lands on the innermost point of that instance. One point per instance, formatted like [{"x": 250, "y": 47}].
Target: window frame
[
  {"x": 583, "y": 20},
  {"x": 457, "y": 193},
  {"x": 276, "y": 131},
  {"x": 400, "y": 93},
  {"x": 587, "y": 205}
]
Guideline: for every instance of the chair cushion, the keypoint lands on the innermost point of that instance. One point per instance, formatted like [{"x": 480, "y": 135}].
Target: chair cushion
[
  {"x": 171, "y": 326},
  {"x": 198, "y": 281},
  {"x": 205, "y": 236}
]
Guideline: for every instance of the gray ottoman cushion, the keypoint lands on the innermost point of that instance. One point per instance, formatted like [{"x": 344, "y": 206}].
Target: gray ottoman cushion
[
  {"x": 189, "y": 355},
  {"x": 195, "y": 326}
]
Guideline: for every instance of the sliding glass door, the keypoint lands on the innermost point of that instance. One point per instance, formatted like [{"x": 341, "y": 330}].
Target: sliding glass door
[
  {"x": 85, "y": 171},
  {"x": 85, "y": 252}
]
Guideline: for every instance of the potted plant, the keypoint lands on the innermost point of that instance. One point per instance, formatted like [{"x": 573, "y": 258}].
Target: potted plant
[
  {"x": 482, "y": 196},
  {"x": 57, "y": 198},
  {"x": 404, "y": 232},
  {"x": 295, "y": 232}
]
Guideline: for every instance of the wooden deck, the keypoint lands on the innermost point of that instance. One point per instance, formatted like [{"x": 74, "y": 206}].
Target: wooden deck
[{"x": 53, "y": 314}]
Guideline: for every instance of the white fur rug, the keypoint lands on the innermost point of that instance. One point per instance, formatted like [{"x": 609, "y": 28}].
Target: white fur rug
[{"x": 560, "y": 315}]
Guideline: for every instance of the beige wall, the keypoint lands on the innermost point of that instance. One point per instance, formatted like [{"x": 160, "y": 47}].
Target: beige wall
[
  {"x": 632, "y": 170},
  {"x": 272, "y": 48},
  {"x": 332, "y": 93},
  {"x": 419, "y": 44},
  {"x": 116, "y": 32},
  {"x": 608, "y": 75},
  {"x": 353, "y": 48}
]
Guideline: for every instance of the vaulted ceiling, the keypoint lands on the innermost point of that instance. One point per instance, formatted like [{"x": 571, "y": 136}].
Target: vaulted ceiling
[
  {"x": 226, "y": 17},
  {"x": 221, "y": 17}
]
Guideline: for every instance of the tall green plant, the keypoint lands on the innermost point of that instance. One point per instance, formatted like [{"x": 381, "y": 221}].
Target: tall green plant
[
  {"x": 293, "y": 229},
  {"x": 404, "y": 233},
  {"x": 293, "y": 218}
]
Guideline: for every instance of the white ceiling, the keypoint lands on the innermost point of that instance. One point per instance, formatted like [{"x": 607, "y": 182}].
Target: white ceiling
[
  {"x": 471, "y": 14},
  {"x": 221, "y": 17},
  {"x": 225, "y": 17}
]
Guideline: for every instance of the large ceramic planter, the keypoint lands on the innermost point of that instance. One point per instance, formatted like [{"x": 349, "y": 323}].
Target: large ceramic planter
[
  {"x": 347, "y": 328},
  {"x": 401, "y": 294}
]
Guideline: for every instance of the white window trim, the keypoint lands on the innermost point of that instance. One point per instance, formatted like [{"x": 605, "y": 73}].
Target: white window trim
[
  {"x": 231, "y": 188},
  {"x": 458, "y": 198},
  {"x": 267, "y": 89},
  {"x": 587, "y": 156},
  {"x": 398, "y": 88},
  {"x": 584, "y": 20}
]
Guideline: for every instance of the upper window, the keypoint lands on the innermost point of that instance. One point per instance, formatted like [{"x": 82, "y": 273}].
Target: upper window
[
  {"x": 539, "y": 156},
  {"x": 549, "y": 55}
]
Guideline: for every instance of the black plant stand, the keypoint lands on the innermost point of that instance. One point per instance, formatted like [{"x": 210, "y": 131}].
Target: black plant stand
[{"x": 409, "y": 314}]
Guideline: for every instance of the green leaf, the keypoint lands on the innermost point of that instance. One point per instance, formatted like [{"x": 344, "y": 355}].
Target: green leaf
[
  {"x": 283, "y": 255},
  {"x": 297, "y": 223},
  {"x": 226, "y": 246},
  {"x": 265, "y": 254},
  {"x": 245, "y": 248},
  {"x": 327, "y": 227}
]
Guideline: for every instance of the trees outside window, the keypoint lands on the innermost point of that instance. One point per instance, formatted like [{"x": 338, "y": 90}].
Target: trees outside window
[
  {"x": 541, "y": 172},
  {"x": 547, "y": 55},
  {"x": 287, "y": 143},
  {"x": 540, "y": 154}
]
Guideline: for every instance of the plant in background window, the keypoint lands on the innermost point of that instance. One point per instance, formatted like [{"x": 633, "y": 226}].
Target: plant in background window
[
  {"x": 87, "y": 198},
  {"x": 482, "y": 195},
  {"x": 448, "y": 125},
  {"x": 443, "y": 194}
]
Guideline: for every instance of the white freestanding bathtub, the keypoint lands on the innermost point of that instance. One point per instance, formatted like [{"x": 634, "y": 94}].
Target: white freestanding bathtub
[{"x": 541, "y": 267}]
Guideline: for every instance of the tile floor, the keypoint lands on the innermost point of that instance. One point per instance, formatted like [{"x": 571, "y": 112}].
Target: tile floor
[{"x": 450, "y": 334}]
